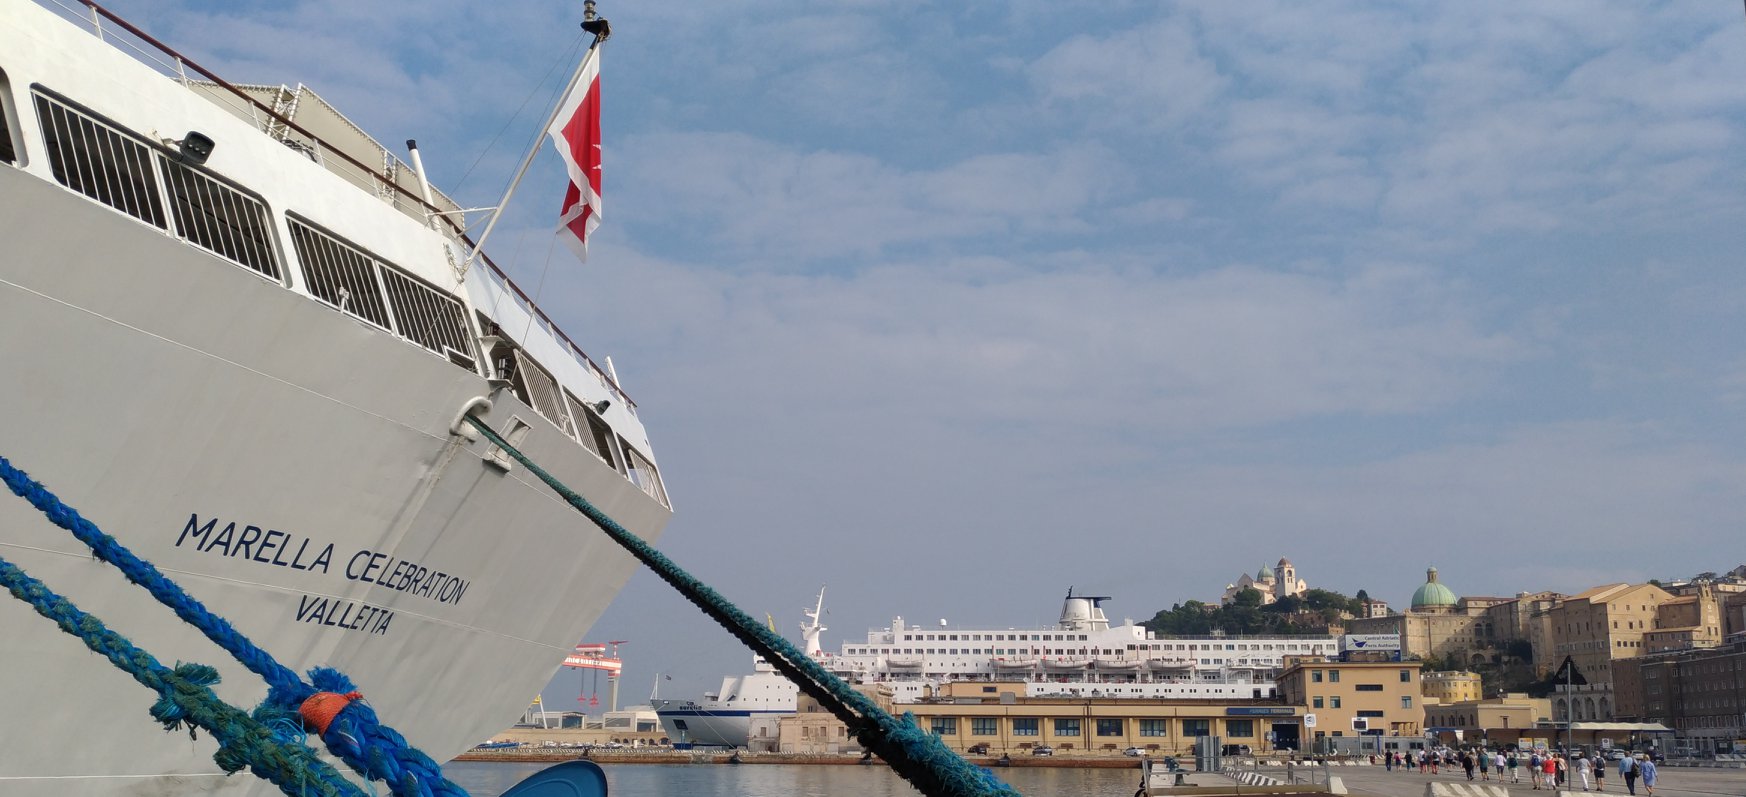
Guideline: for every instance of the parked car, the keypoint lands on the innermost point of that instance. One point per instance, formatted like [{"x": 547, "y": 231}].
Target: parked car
[
  {"x": 977, "y": 749},
  {"x": 1134, "y": 751},
  {"x": 1235, "y": 749},
  {"x": 1042, "y": 749}
]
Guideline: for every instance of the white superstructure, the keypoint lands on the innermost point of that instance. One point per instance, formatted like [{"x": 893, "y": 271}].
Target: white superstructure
[
  {"x": 1080, "y": 656},
  {"x": 238, "y": 340}
]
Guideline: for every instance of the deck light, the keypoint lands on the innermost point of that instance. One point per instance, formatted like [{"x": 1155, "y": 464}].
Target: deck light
[{"x": 194, "y": 148}]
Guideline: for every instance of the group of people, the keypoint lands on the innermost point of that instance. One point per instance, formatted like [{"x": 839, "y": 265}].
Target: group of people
[{"x": 1544, "y": 770}]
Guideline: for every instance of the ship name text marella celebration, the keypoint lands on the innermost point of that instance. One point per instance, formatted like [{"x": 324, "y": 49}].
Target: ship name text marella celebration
[{"x": 244, "y": 339}]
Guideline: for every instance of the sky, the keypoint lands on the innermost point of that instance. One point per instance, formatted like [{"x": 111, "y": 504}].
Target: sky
[{"x": 951, "y": 307}]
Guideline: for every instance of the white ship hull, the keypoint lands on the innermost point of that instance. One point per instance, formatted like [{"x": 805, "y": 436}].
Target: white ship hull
[
  {"x": 695, "y": 725},
  {"x": 157, "y": 388}
]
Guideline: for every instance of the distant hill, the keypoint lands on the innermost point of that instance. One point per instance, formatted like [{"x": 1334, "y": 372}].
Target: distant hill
[{"x": 1317, "y": 612}]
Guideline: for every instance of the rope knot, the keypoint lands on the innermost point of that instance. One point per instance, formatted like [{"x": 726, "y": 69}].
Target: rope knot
[{"x": 320, "y": 708}]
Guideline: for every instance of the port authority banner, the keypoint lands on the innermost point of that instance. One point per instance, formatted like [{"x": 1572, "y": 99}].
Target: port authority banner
[{"x": 1390, "y": 642}]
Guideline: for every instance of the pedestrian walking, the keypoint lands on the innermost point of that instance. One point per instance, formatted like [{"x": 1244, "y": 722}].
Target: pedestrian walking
[
  {"x": 1562, "y": 771},
  {"x": 1388, "y": 761},
  {"x": 1513, "y": 763},
  {"x": 1467, "y": 764},
  {"x": 1534, "y": 763},
  {"x": 1649, "y": 771},
  {"x": 1549, "y": 768},
  {"x": 1600, "y": 772},
  {"x": 1628, "y": 770},
  {"x": 1584, "y": 768}
]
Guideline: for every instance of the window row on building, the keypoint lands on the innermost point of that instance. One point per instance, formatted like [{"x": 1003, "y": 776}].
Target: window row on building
[{"x": 1069, "y": 728}]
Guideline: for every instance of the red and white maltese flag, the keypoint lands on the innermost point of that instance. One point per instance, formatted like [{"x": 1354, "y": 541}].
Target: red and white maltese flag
[{"x": 575, "y": 131}]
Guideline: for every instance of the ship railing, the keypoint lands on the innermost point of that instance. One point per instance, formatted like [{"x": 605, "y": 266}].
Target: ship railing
[
  {"x": 125, "y": 36},
  {"x": 394, "y": 182}
]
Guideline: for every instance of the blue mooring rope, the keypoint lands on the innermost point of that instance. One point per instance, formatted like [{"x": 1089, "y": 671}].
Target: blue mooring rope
[
  {"x": 916, "y": 755},
  {"x": 356, "y": 736},
  {"x": 377, "y": 751},
  {"x": 185, "y": 698}
]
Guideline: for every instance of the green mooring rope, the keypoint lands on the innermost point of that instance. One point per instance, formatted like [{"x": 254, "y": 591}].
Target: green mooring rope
[
  {"x": 185, "y": 698},
  {"x": 916, "y": 755}
]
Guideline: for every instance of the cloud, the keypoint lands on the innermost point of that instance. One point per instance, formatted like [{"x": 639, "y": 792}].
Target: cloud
[
  {"x": 1132, "y": 352},
  {"x": 1120, "y": 293},
  {"x": 775, "y": 205},
  {"x": 1153, "y": 76},
  {"x": 1494, "y": 515}
]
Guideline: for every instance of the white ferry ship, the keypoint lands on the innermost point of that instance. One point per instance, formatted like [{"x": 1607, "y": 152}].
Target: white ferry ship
[
  {"x": 239, "y": 337},
  {"x": 1081, "y": 656},
  {"x": 728, "y": 716}
]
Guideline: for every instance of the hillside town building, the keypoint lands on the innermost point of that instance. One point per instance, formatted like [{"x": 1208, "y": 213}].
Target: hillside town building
[
  {"x": 1452, "y": 686},
  {"x": 1594, "y": 628},
  {"x": 1349, "y": 698},
  {"x": 1700, "y": 693},
  {"x": 1438, "y": 625}
]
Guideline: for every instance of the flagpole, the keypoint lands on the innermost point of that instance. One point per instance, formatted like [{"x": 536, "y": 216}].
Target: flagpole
[{"x": 601, "y": 31}]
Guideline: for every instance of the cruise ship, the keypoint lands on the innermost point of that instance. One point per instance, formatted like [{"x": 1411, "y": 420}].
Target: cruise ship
[
  {"x": 242, "y": 337},
  {"x": 1082, "y": 655}
]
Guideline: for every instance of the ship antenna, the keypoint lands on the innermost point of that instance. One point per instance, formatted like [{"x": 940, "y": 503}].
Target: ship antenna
[
  {"x": 594, "y": 23},
  {"x": 602, "y": 30}
]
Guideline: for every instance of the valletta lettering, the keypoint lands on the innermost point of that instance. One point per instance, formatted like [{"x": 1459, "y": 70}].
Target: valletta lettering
[{"x": 276, "y": 548}]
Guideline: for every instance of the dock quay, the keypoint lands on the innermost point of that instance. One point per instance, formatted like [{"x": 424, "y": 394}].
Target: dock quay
[{"x": 668, "y": 755}]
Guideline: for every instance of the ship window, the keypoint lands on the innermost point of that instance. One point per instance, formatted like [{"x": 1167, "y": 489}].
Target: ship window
[
  {"x": 429, "y": 317},
  {"x": 599, "y": 439},
  {"x": 8, "y": 152},
  {"x": 100, "y": 161},
  {"x": 220, "y": 219},
  {"x": 368, "y": 288},
  {"x": 543, "y": 392},
  {"x": 339, "y": 275},
  {"x": 642, "y": 473}
]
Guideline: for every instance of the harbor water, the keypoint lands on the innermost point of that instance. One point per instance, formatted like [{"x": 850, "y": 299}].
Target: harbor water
[{"x": 489, "y": 779}]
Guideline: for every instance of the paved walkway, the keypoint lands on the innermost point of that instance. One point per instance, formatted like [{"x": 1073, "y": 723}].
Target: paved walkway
[{"x": 1672, "y": 782}]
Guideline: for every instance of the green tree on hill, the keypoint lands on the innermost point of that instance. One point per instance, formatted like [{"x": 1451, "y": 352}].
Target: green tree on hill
[{"x": 1247, "y": 614}]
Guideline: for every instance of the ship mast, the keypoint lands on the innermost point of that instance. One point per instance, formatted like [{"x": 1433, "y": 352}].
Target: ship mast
[
  {"x": 602, "y": 31},
  {"x": 810, "y": 629}
]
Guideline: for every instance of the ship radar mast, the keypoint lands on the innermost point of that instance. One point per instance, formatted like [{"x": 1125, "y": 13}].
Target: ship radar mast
[{"x": 810, "y": 628}]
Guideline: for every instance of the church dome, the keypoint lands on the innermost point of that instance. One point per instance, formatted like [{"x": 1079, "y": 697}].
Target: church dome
[
  {"x": 1266, "y": 574},
  {"x": 1433, "y": 595}
]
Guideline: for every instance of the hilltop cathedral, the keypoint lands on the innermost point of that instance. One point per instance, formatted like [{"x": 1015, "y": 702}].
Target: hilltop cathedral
[{"x": 1272, "y": 582}]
